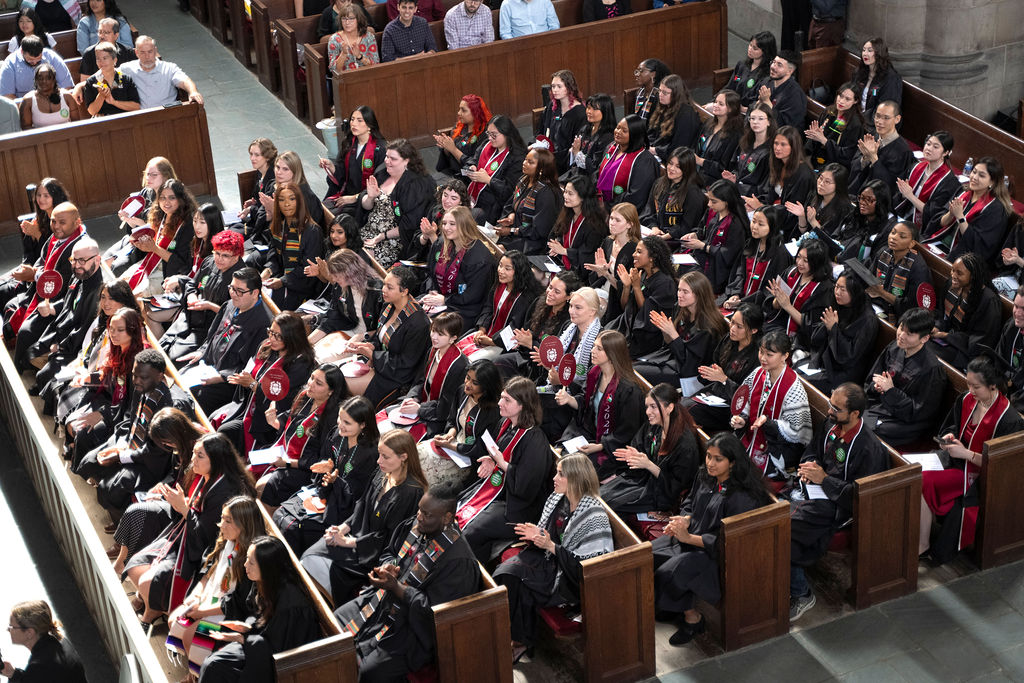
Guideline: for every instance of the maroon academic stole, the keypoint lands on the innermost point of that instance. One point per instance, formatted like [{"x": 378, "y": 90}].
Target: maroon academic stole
[
  {"x": 142, "y": 270},
  {"x": 54, "y": 253},
  {"x": 485, "y": 491},
  {"x": 489, "y": 162},
  {"x": 925, "y": 193},
  {"x": 501, "y": 312},
  {"x": 569, "y": 237},
  {"x": 976, "y": 443},
  {"x": 447, "y": 272},
  {"x": 296, "y": 432},
  {"x": 624, "y": 170},
  {"x": 755, "y": 270},
  {"x": 432, "y": 389},
  {"x": 715, "y": 230},
  {"x": 801, "y": 297},
  {"x": 769, "y": 405},
  {"x": 180, "y": 583},
  {"x": 260, "y": 367},
  {"x": 365, "y": 162},
  {"x": 604, "y": 421}
]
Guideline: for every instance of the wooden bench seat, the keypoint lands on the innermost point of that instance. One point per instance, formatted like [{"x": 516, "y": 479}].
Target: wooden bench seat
[
  {"x": 241, "y": 31},
  {"x": 66, "y": 44}
]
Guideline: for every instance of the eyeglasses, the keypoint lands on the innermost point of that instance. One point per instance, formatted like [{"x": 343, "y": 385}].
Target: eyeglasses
[
  {"x": 492, "y": 135},
  {"x": 867, "y": 198},
  {"x": 274, "y": 335},
  {"x": 238, "y": 292},
  {"x": 81, "y": 261},
  {"x": 223, "y": 254},
  {"x": 883, "y": 117}
]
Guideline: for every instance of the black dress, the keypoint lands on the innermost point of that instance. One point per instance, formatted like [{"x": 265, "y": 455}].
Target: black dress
[
  {"x": 627, "y": 417},
  {"x": 51, "y": 660},
  {"x": 638, "y": 490},
  {"x": 561, "y": 128}
]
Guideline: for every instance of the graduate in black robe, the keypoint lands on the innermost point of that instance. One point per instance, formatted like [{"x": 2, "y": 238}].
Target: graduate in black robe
[
  {"x": 884, "y": 156},
  {"x": 677, "y": 202},
  {"x": 650, "y": 285},
  {"x": 531, "y": 211},
  {"x": 763, "y": 259},
  {"x": 968, "y": 313},
  {"x": 716, "y": 151},
  {"x": 489, "y": 199},
  {"x": 801, "y": 309},
  {"x": 843, "y": 338},
  {"x": 465, "y": 290},
  {"x": 903, "y": 273},
  {"x": 1010, "y": 354},
  {"x": 789, "y": 102}
]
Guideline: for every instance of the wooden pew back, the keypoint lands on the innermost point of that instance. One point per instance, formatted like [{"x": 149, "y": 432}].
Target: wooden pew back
[
  {"x": 66, "y": 47},
  {"x": 474, "y": 640},
  {"x": 1000, "y": 535}
]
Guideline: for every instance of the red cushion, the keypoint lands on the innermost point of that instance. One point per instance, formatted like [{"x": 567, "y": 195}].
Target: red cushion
[
  {"x": 556, "y": 620},
  {"x": 511, "y": 552},
  {"x": 840, "y": 542}
]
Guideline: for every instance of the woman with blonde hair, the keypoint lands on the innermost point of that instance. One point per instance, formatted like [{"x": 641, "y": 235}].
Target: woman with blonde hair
[
  {"x": 53, "y": 657},
  {"x": 617, "y": 249},
  {"x": 460, "y": 268}
]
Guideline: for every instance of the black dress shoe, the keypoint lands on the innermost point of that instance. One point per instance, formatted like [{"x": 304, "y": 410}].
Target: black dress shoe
[{"x": 686, "y": 632}]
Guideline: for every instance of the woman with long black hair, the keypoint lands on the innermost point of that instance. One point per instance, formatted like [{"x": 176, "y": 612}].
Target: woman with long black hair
[
  {"x": 581, "y": 226},
  {"x": 764, "y": 258},
  {"x": 507, "y": 305},
  {"x": 843, "y": 340},
  {"x": 789, "y": 177},
  {"x": 495, "y": 169},
  {"x": 794, "y": 302},
  {"x": 360, "y": 154},
  {"x": 828, "y": 207},
  {"x": 594, "y": 136},
  {"x": 677, "y": 199},
  {"x": 969, "y": 314},
  {"x": 717, "y": 242}
]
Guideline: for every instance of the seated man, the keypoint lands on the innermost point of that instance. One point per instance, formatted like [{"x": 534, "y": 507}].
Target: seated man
[
  {"x": 158, "y": 81},
  {"x": 466, "y": 24},
  {"x": 885, "y": 157},
  {"x": 428, "y": 562},
  {"x": 782, "y": 92},
  {"x": 10, "y": 117},
  {"x": 431, "y": 10},
  {"x": 232, "y": 339},
  {"x": 526, "y": 17},
  {"x": 842, "y": 451},
  {"x": 17, "y": 74},
  {"x": 906, "y": 383},
  {"x": 407, "y": 35},
  {"x": 1010, "y": 351},
  {"x": 108, "y": 31}
]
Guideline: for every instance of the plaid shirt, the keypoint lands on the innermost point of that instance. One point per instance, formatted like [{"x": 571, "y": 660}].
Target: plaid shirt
[
  {"x": 404, "y": 41},
  {"x": 462, "y": 29}
]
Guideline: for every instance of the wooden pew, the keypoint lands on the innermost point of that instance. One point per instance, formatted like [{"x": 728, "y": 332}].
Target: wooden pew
[
  {"x": 1000, "y": 535},
  {"x": 474, "y": 641},
  {"x": 241, "y": 32},
  {"x": 66, "y": 44},
  {"x": 275, "y": 66},
  {"x": 293, "y": 34},
  {"x": 122, "y": 143}
]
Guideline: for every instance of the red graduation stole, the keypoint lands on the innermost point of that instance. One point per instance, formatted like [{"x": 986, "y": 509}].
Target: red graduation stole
[
  {"x": 801, "y": 296},
  {"x": 260, "y": 367},
  {"x": 604, "y": 421},
  {"x": 569, "y": 237},
  {"x": 501, "y": 312},
  {"x": 624, "y": 170},
  {"x": 971, "y": 212},
  {"x": 983, "y": 432},
  {"x": 54, "y": 253},
  {"x": 142, "y": 270},
  {"x": 755, "y": 270},
  {"x": 180, "y": 584},
  {"x": 447, "y": 272},
  {"x": 485, "y": 491},
  {"x": 930, "y": 184},
  {"x": 769, "y": 405},
  {"x": 432, "y": 390},
  {"x": 365, "y": 161},
  {"x": 296, "y": 432},
  {"x": 489, "y": 162}
]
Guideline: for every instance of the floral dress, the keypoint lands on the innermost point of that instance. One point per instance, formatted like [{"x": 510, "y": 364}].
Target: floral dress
[
  {"x": 344, "y": 57},
  {"x": 381, "y": 219}
]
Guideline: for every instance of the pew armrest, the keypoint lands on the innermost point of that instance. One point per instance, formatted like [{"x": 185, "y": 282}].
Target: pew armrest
[{"x": 334, "y": 656}]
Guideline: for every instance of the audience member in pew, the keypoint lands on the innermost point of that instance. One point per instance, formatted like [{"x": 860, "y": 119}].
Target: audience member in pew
[
  {"x": 929, "y": 185},
  {"x": 355, "y": 297},
  {"x": 353, "y": 45},
  {"x": 507, "y": 305},
  {"x": 976, "y": 219},
  {"x": 393, "y": 623},
  {"x": 775, "y": 423},
  {"x": 905, "y": 279},
  {"x": 361, "y": 153},
  {"x": 866, "y": 231},
  {"x": 833, "y": 137},
  {"x": 467, "y": 136},
  {"x": 549, "y": 315},
  {"x": 303, "y": 8},
  {"x": 330, "y": 18},
  {"x": 686, "y": 558},
  {"x": 970, "y": 314},
  {"x": 157, "y": 172},
  {"x": 628, "y": 170},
  {"x": 443, "y": 378},
  {"x": 843, "y": 450},
  {"x": 446, "y": 197},
  {"x": 617, "y": 249},
  {"x": 717, "y": 140},
  {"x": 764, "y": 258},
  {"x": 689, "y": 337},
  {"x": 513, "y": 480},
  {"x": 648, "y": 76},
  {"x": 287, "y": 169},
  {"x": 263, "y": 158},
  {"x": 794, "y": 303},
  {"x": 877, "y": 79},
  {"x": 1010, "y": 351},
  {"x": 595, "y": 10},
  {"x": 494, "y": 171},
  {"x": 749, "y": 168},
  {"x": 782, "y": 92},
  {"x": 29, "y": 24},
  {"x": 526, "y": 17},
  {"x": 562, "y": 118},
  {"x": 397, "y": 348},
  {"x": 158, "y": 81},
  {"x": 547, "y": 573},
  {"x": 279, "y": 613},
  {"x": 789, "y": 177},
  {"x": 593, "y": 137},
  {"x": 109, "y": 90},
  {"x": 983, "y": 413},
  {"x": 88, "y": 26},
  {"x": 884, "y": 156},
  {"x": 460, "y": 268},
  {"x": 828, "y": 207},
  {"x": 17, "y": 73},
  {"x": 735, "y": 357},
  {"x": 677, "y": 202},
  {"x": 340, "y": 560},
  {"x": 747, "y": 73},
  {"x": 674, "y": 122},
  {"x": 167, "y": 251},
  {"x": 107, "y": 34},
  {"x": 406, "y": 35},
  {"x": 843, "y": 340},
  {"x": 906, "y": 383},
  {"x": 53, "y": 656},
  {"x": 431, "y": 10},
  {"x": 663, "y": 458},
  {"x": 465, "y": 25},
  {"x": 648, "y": 285},
  {"x": 395, "y": 199},
  {"x": 165, "y": 568},
  {"x": 57, "y": 15},
  {"x": 296, "y": 240},
  {"x": 533, "y": 208},
  {"x": 717, "y": 245},
  {"x": 47, "y": 105},
  {"x": 10, "y": 116},
  {"x": 581, "y": 226}
]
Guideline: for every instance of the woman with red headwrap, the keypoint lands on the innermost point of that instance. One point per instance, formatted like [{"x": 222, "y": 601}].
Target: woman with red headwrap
[{"x": 467, "y": 137}]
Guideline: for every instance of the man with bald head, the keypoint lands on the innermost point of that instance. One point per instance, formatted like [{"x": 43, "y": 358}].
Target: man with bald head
[{"x": 108, "y": 30}]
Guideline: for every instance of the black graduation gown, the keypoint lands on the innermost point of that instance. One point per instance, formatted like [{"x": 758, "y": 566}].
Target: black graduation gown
[
  {"x": 918, "y": 273},
  {"x": 1011, "y": 339},
  {"x": 342, "y": 316},
  {"x": 411, "y": 198},
  {"x": 646, "y": 170},
  {"x": 779, "y": 263},
  {"x": 531, "y": 226},
  {"x": 894, "y": 161},
  {"x": 468, "y": 144},
  {"x": 494, "y": 195},
  {"x": 680, "y": 357},
  {"x": 593, "y": 147},
  {"x": 810, "y": 312},
  {"x": 794, "y": 189},
  {"x": 561, "y": 129},
  {"x": 435, "y": 413},
  {"x": 180, "y": 247},
  {"x": 984, "y": 235},
  {"x": 832, "y": 217},
  {"x": 297, "y": 285},
  {"x": 210, "y": 284},
  {"x": 638, "y": 490},
  {"x": 518, "y": 314},
  {"x": 659, "y": 290},
  {"x": 51, "y": 660},
  {"x": 936, "y": 206},
  {"x": 979, "y": 326},
  {"x": 841, "y": 137},
  {"x": 69, "y": 326},
  {"x": 751, "y": 168},
  {"x": 909, "y": 410},
  {"x": 738, "y": 364},
  {"x": 231, "y": 341},
  {"x": 684, "y": 131},
  {"x": 398, "y": 365},
  {"x": 627, "y": 420},
  {"x": 482, "y": 419},
  {"x": 745, "y": 82},
  {"x": 625, "y": 257},
  {"x": 718, "y": 150},
  {"x": 473, "y": 281},
  {"x": 844, "y": 352},
  {"x": 347, "y": 179},
  {"x": 719, "y": 260},
  {"x": 886, "y": 86},
  {"x": 256, "y": 221},
  {"x": 789, "y": 103},
  {"x": 675, "y": 210}
]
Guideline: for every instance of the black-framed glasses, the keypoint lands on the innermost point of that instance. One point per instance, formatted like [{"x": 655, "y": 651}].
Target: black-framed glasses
[
  {"x": 81, "y": 261},
  {"x": 274, "y": 335},
  {"x": 238, "y": 292}
]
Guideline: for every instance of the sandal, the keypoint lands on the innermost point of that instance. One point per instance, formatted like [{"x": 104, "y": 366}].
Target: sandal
[{"x": 148, "y": 626}]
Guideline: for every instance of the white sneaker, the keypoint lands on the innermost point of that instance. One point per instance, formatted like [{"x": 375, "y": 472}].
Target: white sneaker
[{"x": 799, "y": 605}]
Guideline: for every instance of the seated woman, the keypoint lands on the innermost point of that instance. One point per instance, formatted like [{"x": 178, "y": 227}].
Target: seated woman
[
  {"x": 89, "y": 24},
  {"x": 749, "y": 167},
  {"x": 460, "y": 268},
  {"x": 262, "y": 158},
  {"x": 976, "y": 219},
  {"x": 717, "y": 241},
  {"x": 53, "y": 656},
  {"x": 354, "y": 296},
  {"x": 609, "y": 408},
  {"x": 168, "y": 251},
  {"x": 57, "y": 15},
  {"x": 287, "y": 169},
  {"x": 279, "y": 616},
  {"x": 969, "y": 315},
  {"x": 109, "y": 91},
  {"x": 674, "y": 122},
  {"x": 562, "y": 117},
  {"x": 396, "y": 349},
  {"x": 360, "y": 154},
  {"x": 929, "y": 185},
  {"x": 513, "y": 478},
  {"x": 677, "y": 200},
  {"x": 469, "y": 416},
  {"x": 163, "y": 570},
  {"x": 877, "y": 79},
  {"x": 748, "y": 73},
  {"x": 340, "y": 560},
  {"x": 981, "y": 414},
  {"x": 532, "y": 209},
  {"x": 581, "y": 226},
  {"x": 453, "y": 193},
  {"x": 395, "y": 199},
  {"x": 864, "y": 233},
  {"x": 616, "y": 250},
  {"x": 595, "y": 10},
  {"x": 833, "y": 137},
  {"x": 734, "y": 359},
  {"x": 690, "y": 337},
  {"x": 648, "y": 75},
  {"x": 467, "y": 137},
  {"x": 902, "y": 272},
  {"x": 432, "y": 400},
  {"x": 828, "y": 207},
  {"x": 686, "y": 557},
  {"x": 221, "y": 591},
  {"x": 495, "y": 169},
  {"x": 775, "y": 421},
  {"x": 47, "y": 104},
  {"x": 549, "y": 315},
  {"x": 296, "y": 240},
  {"x": 628, "y": 170},
  {"x": 764, "y": 258},
  {"x": 718, "y": 139},
  {"x": 35, "y": 231},
  {"x": 353, "y": 45},
  {"x": 794, "y": 303},
  {"x": 663, "y": 458},
  {"x": 646, "y": 287},
  {"x": 29, "y": 24},
  {"x": 508, "y": 304},
  {"x": 594, "y": 136},
  {"x": 345, "y": 464},
  {"x": 789, "y": 177},
  {"x": 547, "y": 573},
  {"x": 843, "y": 341}
]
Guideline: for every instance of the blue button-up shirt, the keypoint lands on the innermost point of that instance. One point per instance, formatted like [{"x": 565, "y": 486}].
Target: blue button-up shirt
[
  {"x": 525, "y": 17},
  {"x": 17, "y": 77}
]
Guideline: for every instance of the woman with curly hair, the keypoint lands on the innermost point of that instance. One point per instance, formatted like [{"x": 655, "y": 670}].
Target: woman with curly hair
[
  {"x": 467, "y": 137},
  {"x": 532, "y": 209},
  {"x": 969, "y": 314},
  {"x": 170, "y": 244},
  {"x": 648, "y": 286}
]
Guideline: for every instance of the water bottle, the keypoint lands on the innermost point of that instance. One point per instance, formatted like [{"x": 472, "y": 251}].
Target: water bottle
[{"x": 968, "y": 165}]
